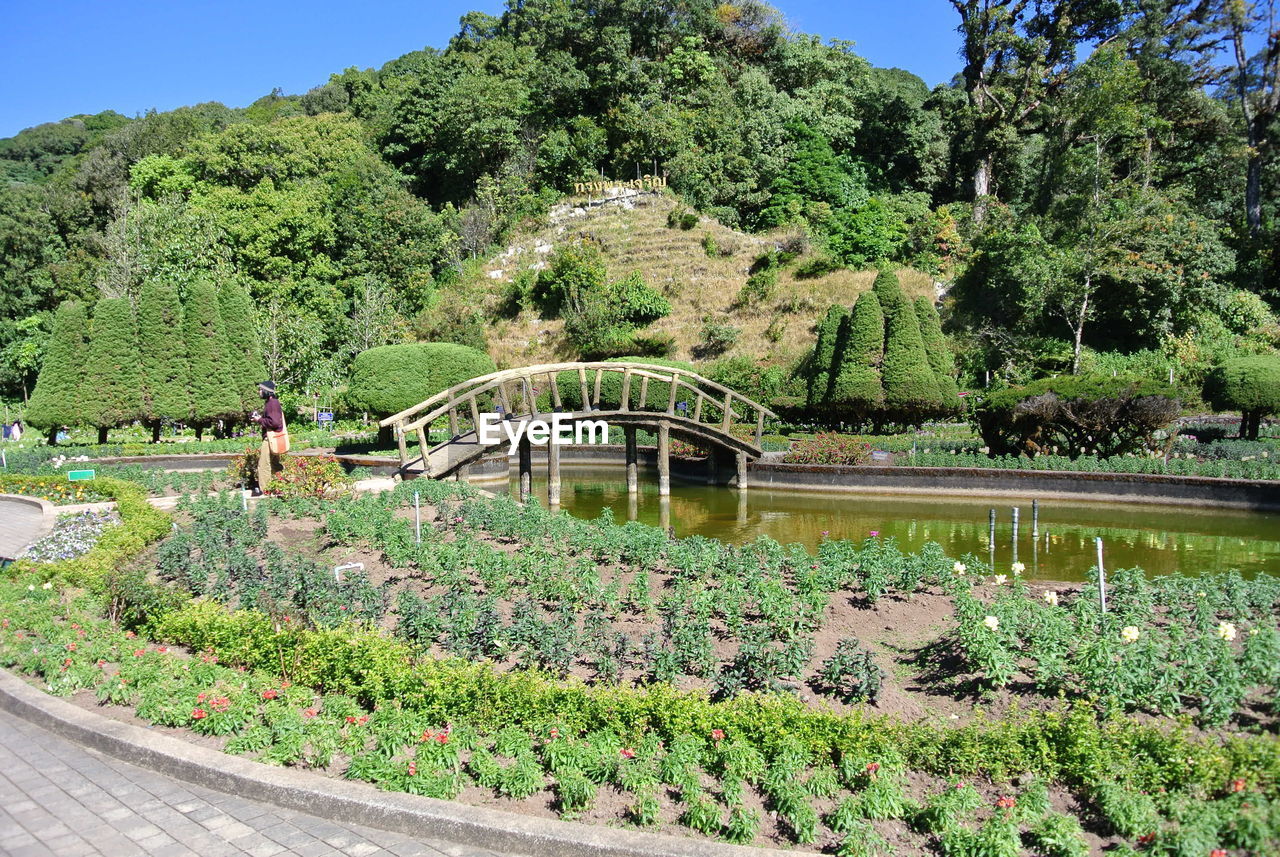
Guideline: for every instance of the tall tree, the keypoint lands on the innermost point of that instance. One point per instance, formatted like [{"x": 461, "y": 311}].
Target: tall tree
[
  {"x": 856, "y": 388},
  {"x": 936, "y": 348},
  {"x": 112, "y": 392},
  {"x": 56, "y": 399},
  {"x": 166, "y": 377},
  {"x": 1257, "y": 84},
  {"x": 213, "y": 389},
  {"x": 244, "y": 348},
  {"x": 823, "y": 355},
  {"x": 910, "y": 388}
]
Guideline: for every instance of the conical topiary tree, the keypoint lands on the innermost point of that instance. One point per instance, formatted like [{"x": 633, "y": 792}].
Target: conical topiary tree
[
  {"x": 244, "y": 348},
  {"x": 55, "y": 402},
  {"x": 213, "y": 392},
  {"x": 889, "y": 292},
  {"x": 113, "y": 375},
  {"x": 910, "y": 388},
  {"x": 823, "y": 353},
  {"x": 939, "y": 353},
  {"x": 856, "y": 388},
  {"x": 166, "y": 377}
]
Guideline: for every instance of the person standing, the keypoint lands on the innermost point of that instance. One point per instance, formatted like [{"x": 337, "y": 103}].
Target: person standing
[
  {"x": 15, "y": 432},
  {"x": 272, "y": 420}
]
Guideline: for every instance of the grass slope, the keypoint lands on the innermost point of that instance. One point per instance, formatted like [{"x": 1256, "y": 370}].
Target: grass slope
[{"x": 702, "y": 288}]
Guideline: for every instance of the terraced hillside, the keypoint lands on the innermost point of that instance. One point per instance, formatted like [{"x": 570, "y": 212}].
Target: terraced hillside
[{"x": 702, "y": 271}]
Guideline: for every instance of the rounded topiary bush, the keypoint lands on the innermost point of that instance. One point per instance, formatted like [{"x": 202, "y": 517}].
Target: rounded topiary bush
[
  {"x": 1250, "y": 385},
  {"x": 390, "y": 378}
]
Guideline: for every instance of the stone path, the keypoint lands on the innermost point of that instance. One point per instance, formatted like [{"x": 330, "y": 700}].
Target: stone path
[
  {"x": 20, "y": 525},
  {"x": 58, "y": 799}
]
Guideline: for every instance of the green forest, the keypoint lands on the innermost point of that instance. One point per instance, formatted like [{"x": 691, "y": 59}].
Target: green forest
[{"x": 1095, "y": 190}]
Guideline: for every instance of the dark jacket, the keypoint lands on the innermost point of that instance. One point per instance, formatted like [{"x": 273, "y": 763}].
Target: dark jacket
[{"x": 272, "y": 418}]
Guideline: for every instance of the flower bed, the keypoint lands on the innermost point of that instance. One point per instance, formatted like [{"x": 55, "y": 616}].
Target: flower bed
[
  {"x": 57, "y": 490},
  {"x": 72, "y": 537}
]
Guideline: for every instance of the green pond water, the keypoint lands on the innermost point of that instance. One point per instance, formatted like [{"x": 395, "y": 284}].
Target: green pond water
[{"x": 1159, "y": 539}]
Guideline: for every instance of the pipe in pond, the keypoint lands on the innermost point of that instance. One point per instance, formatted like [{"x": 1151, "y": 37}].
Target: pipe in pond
[
  {"x": 1102, "y": 579},
  {"x": 991, "y": 536},
  {"x": 664, "y": 459},
  {"x": 1015, "y": 533},
  {"x": 1035, "y": 519}
]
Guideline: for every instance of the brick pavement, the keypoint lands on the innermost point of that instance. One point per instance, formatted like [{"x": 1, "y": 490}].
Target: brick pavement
[{"x": 62, "y": 800}]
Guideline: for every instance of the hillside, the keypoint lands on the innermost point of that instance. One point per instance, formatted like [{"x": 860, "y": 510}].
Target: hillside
[{"x": 634, "y": 236}]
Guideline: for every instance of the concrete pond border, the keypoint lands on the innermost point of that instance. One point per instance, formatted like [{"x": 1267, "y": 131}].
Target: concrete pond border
[{"x": 347, "y": 801}]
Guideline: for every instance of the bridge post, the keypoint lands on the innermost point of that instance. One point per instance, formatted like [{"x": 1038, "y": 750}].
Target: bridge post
[
  {"x": 633, "y": 478},
  {"x": 713, "y": 466},
  {"x": 741, "y": 459},
  {"x": 526, "y": 468},
  {"x": 664, "y": 458},
  {"x": 553, "y": 474}
]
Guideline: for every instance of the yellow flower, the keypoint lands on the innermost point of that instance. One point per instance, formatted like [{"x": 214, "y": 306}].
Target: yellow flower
[
  {"x": 959, "y": 567},
  {"x": 1051, "y": 598},
  {"x": 1226, "y": 631},
  {"x": 999, "y": 580},
  {"x": 1130, "y": 633},
  {"x": 992, "y": 622}
]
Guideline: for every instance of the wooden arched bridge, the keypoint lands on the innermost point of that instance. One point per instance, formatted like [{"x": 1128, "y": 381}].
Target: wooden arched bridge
[{"x": 630, "y": 395}]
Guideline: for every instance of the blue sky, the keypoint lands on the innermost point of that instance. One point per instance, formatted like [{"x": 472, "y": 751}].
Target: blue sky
[{"x": 58, "y": 59}]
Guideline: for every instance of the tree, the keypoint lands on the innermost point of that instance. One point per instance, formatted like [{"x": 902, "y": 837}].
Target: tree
[
  {"x": 1257, "y": 84},
  {"x": 166, "y": 376},
  {"x": 244, "y": 349},
  {"x": 214, "y": 394},
  {"x": 1250, "y": 385},
  {"x": 910, "y": 388},
  {"x": 938, "y": 350},
  {"x": 823, "y": 354},
  {"x": 856, "y": 387},
  {"x": 55, "y": 402},
  {"x": 112, "y": 392}
]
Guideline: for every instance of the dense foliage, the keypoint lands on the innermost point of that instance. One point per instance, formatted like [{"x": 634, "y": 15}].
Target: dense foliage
[
  {"x": 391, "y": 378},
  {"x": 1249, "y": 385},
  {"x": 1100, "y": 203},
  {"x": 1076, "y": 415}
]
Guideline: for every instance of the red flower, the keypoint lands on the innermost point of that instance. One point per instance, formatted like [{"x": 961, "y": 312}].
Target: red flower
[
  {"x": 442, "y": 738},
  {"x": 872, "y": 767},
  {"x": 102, "y": 664},
  {"x": 308, "y": 712},
  {"x": 137, "y": 653},
  {"x": 1238, "y": 785},
  {"x": 129, "y": 635},
  {"x": 286, "y": 684},
  {"x": 162, "y": 650},
  {"x": 71, "y": 647},
  {"x": 1006, "y": 803},
  {"x": 628, "y": 753},
  {"x": 199, "y": 714},
  {"x": 201, "y": 696},
  {"x": 1146, "y": 839},
  {"x": 413, "y": 769},
  {"x": 425, "y": 737},
  {"x": 270, "y": 694},
  {"x": 554, "y": 733},
  {"x": 1218, "y": 852},
  {"x": 350, "y": 719},
  {"x": 220, "y": 704},
  {"x": 717, "y": 734}
]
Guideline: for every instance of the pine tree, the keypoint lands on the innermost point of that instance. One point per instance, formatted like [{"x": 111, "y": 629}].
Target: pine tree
[
  {"x": 55, "y": 402},
  {"x": 213, "y": 392},
  {"x": 941, "y": 359},
  {"x": 112, "y": 391},
  {"x": 244, "y": 348},
  {"x": 166, "y": 378},
  {"x": 856, "y": 387},
  {"x": 889, "y": 291},
  {"x": 823, "y": 353},
  {"x": 910, "y": 389}
]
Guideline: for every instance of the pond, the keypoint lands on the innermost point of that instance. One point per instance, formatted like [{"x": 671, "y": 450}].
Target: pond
[{"x": 1159, "y": 539}]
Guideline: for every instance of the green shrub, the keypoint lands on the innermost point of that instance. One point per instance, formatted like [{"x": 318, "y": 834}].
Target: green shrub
[
  {"x": 112, "y": 391},
  {"x": 938, "y": 350},
  {"x": 1078, "y": 415},
  {"x": 816, "y": 266},
  {"x": 824, "y": 351},
  {"x": 758, "y": 288},
  {"x": 856, "y": 387},
  {"x": 911, "y": 392},
  {"x": 56, "y": 399},
  {"x": 682, "y": 218},
  {"x": 717, "y": 338},
  {"x": 829, "y": 448},
  {"x": 390, "y": 378},
  {"x": 1250, "y": 385}
]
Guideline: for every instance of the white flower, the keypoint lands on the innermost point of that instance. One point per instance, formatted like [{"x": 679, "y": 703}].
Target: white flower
[
  {"x": 31, "y": 587},
  {"x": 1051, "y": 598},
  {"x": 1130, "y": 633},
  {"x": 959, "y": 567},
  {"x": 992, "y": 622},
  {"x": 47, "y": 585},
  {"x": 1000, "y": 580},
  {"x": 1226, "y": 631},
  {"x": 1017, "y": 568}
]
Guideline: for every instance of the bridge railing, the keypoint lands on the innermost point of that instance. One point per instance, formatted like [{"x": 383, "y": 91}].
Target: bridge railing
[{"x": 690, "y": 398}]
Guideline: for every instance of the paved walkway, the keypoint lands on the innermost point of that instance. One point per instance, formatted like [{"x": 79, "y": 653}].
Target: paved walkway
[
  {"x": 58, "y": 799},
  {"x": 20, "y": 525}
]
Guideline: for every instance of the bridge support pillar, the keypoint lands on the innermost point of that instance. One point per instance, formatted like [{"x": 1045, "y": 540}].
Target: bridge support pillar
[
  {"x": 526, "y": 468},
  {"x": 664, "y": 459},
  {"x": 741, "y": 459},
  {"x": 553, "y": 473},
  {"x": 713, "y": 468},
  {"x": 633, "y": 478}
]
